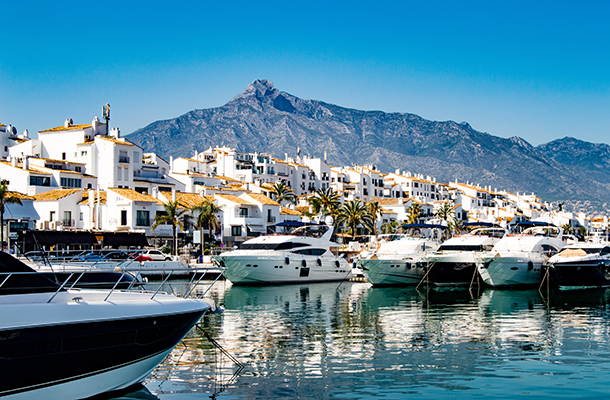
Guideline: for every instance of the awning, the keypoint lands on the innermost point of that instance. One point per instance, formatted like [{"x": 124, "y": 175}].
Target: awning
[
  {"x": 16, "y": 212},
  {"x": 257, "y": 228},
  {"x": 50, "y": 238},
  {"x": 129, "y": 239}
]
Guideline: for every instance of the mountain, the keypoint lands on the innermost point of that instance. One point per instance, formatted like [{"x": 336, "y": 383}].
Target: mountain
[{"x": 265, "y": 119}]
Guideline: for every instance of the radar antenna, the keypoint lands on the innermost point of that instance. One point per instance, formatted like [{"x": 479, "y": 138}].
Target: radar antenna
[{"x": 106, "y": 114}]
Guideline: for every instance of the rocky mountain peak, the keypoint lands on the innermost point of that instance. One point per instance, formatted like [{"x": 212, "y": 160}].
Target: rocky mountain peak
[{"x": 260, "y": 88}]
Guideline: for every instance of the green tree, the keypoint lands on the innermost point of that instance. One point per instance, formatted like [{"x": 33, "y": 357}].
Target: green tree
[
  {"x": 174, "y": 215},
  {"x": 413, "y": 213},
  {"x": 283, "y": 193},
  {"x": 389, "y": 227},
  {"x": 353, "y": 213},
  {"x": 325, "y": 201},
  {"x": 206, "y": 217},
  {"x": 376, "y": 211},
  {"x": 6, "y": 197},
  {"x": 446, "y": 213},
  {"x": 567, "y": 228}
]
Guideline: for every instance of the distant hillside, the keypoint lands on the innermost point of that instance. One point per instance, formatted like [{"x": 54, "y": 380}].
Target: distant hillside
[{"x": 264, "y": 119}]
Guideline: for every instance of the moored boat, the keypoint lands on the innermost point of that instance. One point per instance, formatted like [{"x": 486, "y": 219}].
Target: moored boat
[
  {"x": 455, "y": 261},
  {"x": 401, "y": 261},
  {"x": 58, "y": 343},
  {"x": 517, "y": 259},
  {"x": 306, "y": 254},
  {"x": 581, "y": 265}
]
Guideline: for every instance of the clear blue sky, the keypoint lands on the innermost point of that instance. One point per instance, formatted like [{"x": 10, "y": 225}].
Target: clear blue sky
[{"x": 539, "y": 70}]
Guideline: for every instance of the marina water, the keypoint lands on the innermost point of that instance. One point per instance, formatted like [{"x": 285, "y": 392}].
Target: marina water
[{"x": 354, "y": 341}]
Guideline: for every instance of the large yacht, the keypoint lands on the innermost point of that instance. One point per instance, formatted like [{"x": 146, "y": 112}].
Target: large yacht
[
  {"x": 517, "y": 259},
  {"x": 455, "y": 261},
  {"x": 58, "y": 343},
  {"x": 581, "y": 265},
  {"x": 306, "y": 254},
  {"x": 401, "y": 261}
]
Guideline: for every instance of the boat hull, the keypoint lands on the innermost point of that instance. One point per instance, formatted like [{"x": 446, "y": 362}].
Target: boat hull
[
  {"x": 282, "y": 269},
  {"x": 60, "y": 351},
  {"x": 512, "y": 270},
  {"x": 387, "y": 272},
  {"x": 580, "y": 274}
]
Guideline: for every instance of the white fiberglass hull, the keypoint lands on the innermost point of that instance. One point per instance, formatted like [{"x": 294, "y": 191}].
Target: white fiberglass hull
[
  {"x": 520, "y": 269},
  {"x": 281, "y": 268},
  {"x": 381, "y": 272}
]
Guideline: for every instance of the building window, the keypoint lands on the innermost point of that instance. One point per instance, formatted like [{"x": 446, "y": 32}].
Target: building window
[
  {"x": 126, "y": 176},
  {"x": 70, "y": 182},
  {"x": 80, "y": 216},
  {"x": 67, "y": 219},
  {"x": 77, "y": 169},
  {"x": 40, "y": 181},
  {"x": 142, "y": 218},
  {"x": 236, "y": 231},
  {"x": 63, "y": 156},
  {"x": 52, "y": 216},
  {"x": 83, "y": 153},
  {"x": 119, "y": 173},
  {"x": 123, "y": 217},
  {"x": 243, "y": 212}
]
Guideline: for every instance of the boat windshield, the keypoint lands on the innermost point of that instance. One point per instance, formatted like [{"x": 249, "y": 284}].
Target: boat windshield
[
  {"x": 315, "y": 231},
  {"x": 461, "y": 247},
  {"x": 272, "y": 246}
]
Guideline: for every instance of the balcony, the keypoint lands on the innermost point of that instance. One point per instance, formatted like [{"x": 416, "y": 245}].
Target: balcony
[
  {"x": 271, "y": 219},
  {"x": 67, "y": 223},
  {"x": 124, "y": 159}
]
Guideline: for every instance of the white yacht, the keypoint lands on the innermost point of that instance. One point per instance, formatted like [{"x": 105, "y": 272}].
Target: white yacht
[
  {"x": 306, "y": 254},
  {"x": 401, "y": 261},
  {"x": 455, "y": 261},
  {"x": 517, "y": 259},
  {"x": 581, "y": 265},
  {"x": 58, "y": 343}
]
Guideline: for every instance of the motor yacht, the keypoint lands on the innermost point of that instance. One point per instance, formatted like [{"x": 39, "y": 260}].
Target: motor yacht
[
  {"x": 305, "y": 254},
  {"x": 581, "y": 265},
  {"x": 455, "y": 261},
  {"x": 58, "y": 343},
  {"x": 517, "y": 259},
  {"x": 401, "y": 261}
]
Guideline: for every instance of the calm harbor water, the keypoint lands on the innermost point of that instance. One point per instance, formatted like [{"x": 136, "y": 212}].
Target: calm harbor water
[{"x": 353, "y": 341}]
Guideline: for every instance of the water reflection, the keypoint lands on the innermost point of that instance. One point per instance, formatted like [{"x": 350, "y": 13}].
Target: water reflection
[{"x": 353, "y": 341}]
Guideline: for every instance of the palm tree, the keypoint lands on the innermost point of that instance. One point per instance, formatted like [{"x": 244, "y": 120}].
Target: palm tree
[
  {"x": 6, "y": 197},
  {"x": 173, "y": 215},
  {"x": 283, "y": 193},
  {"x": 413, "y": 213},
  {"x": 446, "y": 213},
  {"x": 207, "y": 217},
  {"x": 389, "y": 227},
  {"x": 353, "y": 213},
  {"x": 376, "y": 211},
  {"x": 325, "y": 201}
]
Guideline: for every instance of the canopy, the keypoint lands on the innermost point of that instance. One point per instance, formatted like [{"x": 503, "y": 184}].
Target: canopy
[
  {"x": 294, "y": 223},
  {"x": 128, "y": 239}
]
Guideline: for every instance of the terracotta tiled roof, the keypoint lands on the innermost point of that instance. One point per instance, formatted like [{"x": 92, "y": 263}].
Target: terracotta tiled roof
[
  {"x": 234, "y": 199},
  {"x": 226, "y": 178},
  {"x": 70, "y": 128},
  {"x": 55, "y": 194},
  {"x": 185, "y": 200},
  {"x": 114, "y": 140},
  {"x": 261, "y": 198},
  {"x": 103, "y": 197},
  {"x": 131, "y": 194},
  {"x": 288, "y": 211},
  {"x": 387, "y": 202},
  {"x": 20, "y": 196}
]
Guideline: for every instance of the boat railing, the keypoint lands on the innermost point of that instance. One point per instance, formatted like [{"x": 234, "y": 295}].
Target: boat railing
[{"x": 71, "y": 282}]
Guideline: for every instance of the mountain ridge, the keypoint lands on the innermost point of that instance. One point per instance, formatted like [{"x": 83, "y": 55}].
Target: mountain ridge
[{"x": 264, "y": 119}]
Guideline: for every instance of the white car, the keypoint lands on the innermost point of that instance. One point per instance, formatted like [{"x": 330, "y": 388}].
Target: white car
[{"x": 157, "y": 255}]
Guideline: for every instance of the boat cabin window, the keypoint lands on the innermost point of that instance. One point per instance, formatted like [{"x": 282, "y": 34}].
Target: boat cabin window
[
  {"x": 311, "y": 252},
  {"x": 605, "y": 250},
  {"x": 271, "y": 246},
  {"x": 549, "y": 250}
]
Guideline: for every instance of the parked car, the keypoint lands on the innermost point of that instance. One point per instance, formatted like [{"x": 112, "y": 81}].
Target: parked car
[
  {"x": 156, "y": 255},
  {"x": 140, "y": 257}
]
